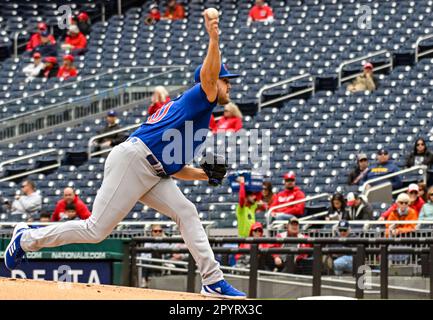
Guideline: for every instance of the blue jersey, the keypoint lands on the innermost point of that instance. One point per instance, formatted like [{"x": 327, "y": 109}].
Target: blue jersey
[{"x": 177, "y": 130}]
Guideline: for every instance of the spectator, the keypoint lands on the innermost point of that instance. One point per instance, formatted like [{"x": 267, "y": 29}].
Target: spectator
[
  {"x": 290, "y": 194},
  {"x": 111, "y": 140},
  {"x": 260, "y": 12},
  {"x": 383, "y": 167},
  {"x": 69, "y": 197},
  {"x": 268, "y": 197},
  {"x": 230, "y": 121},
  {"x": 420, "y": 155},
  {"x": 245, "y": 210},
  {"x": 415, "y": 202},
  {"x": 423, "y": 191},
  {"x": 45, "y": 216},
  {"x": 343, "y": 263},
  {"x": 35, "y": 39},
  {"x": 360, "y": 171},
  {"x": 46, "y": 48},
  {"x": 50, "y": 69},
  {"x": 266, "y": 262},
  {"x": 402, "y": 213},
  {"x": 29, "y": 202},
  {"x": 67, "y": 70},
  {"x": 174, "y": 11},
  {"x": 75, "y": 41},
  {"x": 358, "y": 208},
  {"x": 82, "y": 21},
  {"x": 338, "y": 207},
  {"x": 426, "y": 212},
  {"x": 154, "y": 14},
  {"x": 365, "y": 82},
  {"x": 160, "y": 97},
  {"x": 33, "y": 69},
  {"x": 292, "y": 263}
]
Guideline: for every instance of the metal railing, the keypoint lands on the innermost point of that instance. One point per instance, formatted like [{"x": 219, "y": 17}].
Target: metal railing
[
  {"x": 268, "y": 214},
  {"x": 357, "y": 247},
  {"x": 27, "y": 157},
  {"x": 77, "y": 108},
  {"x": 419, "y": 54},
  {"x": 103, "y": 135},
  {"x": 311, "y": 89},
  {"x": 370, "y": 55},
  {"x": 392, "y": 175}
]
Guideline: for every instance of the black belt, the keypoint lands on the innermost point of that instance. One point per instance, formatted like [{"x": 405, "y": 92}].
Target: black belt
[{"x": 154, "y": 162}]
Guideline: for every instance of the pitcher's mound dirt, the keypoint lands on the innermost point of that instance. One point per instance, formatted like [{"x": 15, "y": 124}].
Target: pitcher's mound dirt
[{"x": 24, "y": 289}]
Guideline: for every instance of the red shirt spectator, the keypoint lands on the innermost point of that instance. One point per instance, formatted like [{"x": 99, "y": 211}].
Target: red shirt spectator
[
  {"x": 230, "y": 121},
  {"x": 174, "y": 11},
  {"x": 35, "y": 39},
  {"x": 75, "y": 39},
  {"x": 159, "y": 98},
  {"x": 69, "y": 196},
  {"x": 416, "y": 202},
  {"x": 212, "y": 123},
  {"x": 260, "y": 12},
  {"x": 290, "y": 194},
  {"x": 67, "y": 70},
  {"x": 154, "y": 14}
]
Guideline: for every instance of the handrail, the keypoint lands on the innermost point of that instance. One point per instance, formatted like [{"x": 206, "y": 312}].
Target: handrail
[
  {"x": 122, "y": 223},
  {"x": 370, "y": 55},
  {"x": 79, "y": 80},
  {"x": 16, "y": 35},
  {"x": 269, "y": 212},
  {"x": 391, "y": 175},
  {"x": 107, "y": 134},
  {"x": 28, "y": 156},
  {"x": 285, "y": 97},
  {"x": 27, "y": 173},
  {"x": 424, "y": 53}
]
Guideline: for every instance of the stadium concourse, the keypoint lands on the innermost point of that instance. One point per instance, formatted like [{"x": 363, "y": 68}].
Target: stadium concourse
[{"x": 318, "y": 137}]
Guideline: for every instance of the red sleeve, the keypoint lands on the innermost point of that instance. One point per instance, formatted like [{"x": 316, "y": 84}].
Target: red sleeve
[
  {"x": 55, "y": 216},
  {"x": 60, "y": 72},
  {"x": 251, "y": 14},
  {"x": 238, "y": 124},
  {"x": 242, "y": 194},
  {"x": 52, "y": 39},
  {"x": 33, "y": 42},
  {"x": 180, "y": 12},
  {"x": 212, "y": 123},
  {"x": 274, "y": 201},
  {"x": 270, "y": 13},
  {"x": 82, "y": 210},
  {"x": 388, "y": 212},
  {"x": 74, "y": 72},
  {"x": 83, "y": 42}
]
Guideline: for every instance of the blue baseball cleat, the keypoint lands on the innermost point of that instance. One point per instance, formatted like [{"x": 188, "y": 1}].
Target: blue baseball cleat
[
  {"x": 222, "y": 289},
  {"x": 14, "y": 253}
]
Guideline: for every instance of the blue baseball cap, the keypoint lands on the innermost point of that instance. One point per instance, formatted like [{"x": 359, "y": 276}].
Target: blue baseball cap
[
  {"x": 224, "y": 73},
  {"x": 111, "y": 113},
  {"x": 343, "y": 225}
]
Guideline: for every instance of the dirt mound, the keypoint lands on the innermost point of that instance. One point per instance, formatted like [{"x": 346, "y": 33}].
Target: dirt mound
[{"x": 13, "y": 289}]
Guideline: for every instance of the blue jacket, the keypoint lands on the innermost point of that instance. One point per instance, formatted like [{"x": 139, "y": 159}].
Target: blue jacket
[
  {"x": 426, "y": 212},
  {"x": 379, "y": 170}
]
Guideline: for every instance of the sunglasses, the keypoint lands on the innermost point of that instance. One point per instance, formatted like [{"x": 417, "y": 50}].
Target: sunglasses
[
  {"x": 157, "y": 231},
  {"x": 258, "y": 230},
  {"x": 413, "y": 192},
  {"x": 362, "y": 160},
  {"x": 420, "y": 144},
  {"x": 403, "y": 202},
  {"x": 431, "y": 194}
]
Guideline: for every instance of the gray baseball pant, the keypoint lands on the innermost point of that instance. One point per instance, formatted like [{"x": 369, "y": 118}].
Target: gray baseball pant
[{"x": 129, "y": 178}]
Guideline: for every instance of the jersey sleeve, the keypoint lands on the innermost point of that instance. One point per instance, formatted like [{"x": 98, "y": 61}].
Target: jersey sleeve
[{"x": 195, "y": 99}]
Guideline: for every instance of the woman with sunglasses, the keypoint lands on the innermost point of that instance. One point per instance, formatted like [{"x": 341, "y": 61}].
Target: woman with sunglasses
[
  {"x": 427, "y": 211},
  {"x": 402, "y": 213},
  {"x": 420, "y": 155}
]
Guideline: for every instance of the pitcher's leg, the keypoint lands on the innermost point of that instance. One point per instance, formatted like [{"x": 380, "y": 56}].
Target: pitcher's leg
[
  {"x": 169, "y": 200},
  {"x": 126, "y": 179}
]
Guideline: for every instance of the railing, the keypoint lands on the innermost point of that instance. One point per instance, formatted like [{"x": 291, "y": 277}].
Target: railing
[
  {"x": 30, "y": 156},
  {"x": 117, "y": 97},
  {"x": 268, "y": 214},
  {"x": 103, "y": 135},
  {"x": 391, "y": 175},
  {"x": 374, "y": 54},
  {"x": 419, "y": 54},
  {"x": 317, "y": 250},
  {"x": 311, "y": 89},
  {"x": 16, "y": 35}
]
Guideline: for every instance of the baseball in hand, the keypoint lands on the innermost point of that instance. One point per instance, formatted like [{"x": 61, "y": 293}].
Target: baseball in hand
[{"x": 212, "y": 13}]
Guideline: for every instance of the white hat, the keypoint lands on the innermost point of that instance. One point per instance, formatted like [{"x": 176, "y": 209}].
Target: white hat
[
  {"x": 403, "y": 197},
  {"x": 413, "y": 187}
]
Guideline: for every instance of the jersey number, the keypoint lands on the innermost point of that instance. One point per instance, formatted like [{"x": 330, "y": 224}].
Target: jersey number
[{"x": 160, "y": 114}]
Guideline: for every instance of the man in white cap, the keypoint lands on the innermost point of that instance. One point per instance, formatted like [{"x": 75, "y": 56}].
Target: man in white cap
[
  {"x": 402, "y": 213},
  {"x": 416, "y": 202},
  {"x": 75, "y": 41},
  {"x": 358, "y": 207}
]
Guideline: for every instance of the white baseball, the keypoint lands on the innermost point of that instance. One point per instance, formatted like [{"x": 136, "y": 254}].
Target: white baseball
[{"x": 212, "y": 13}]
